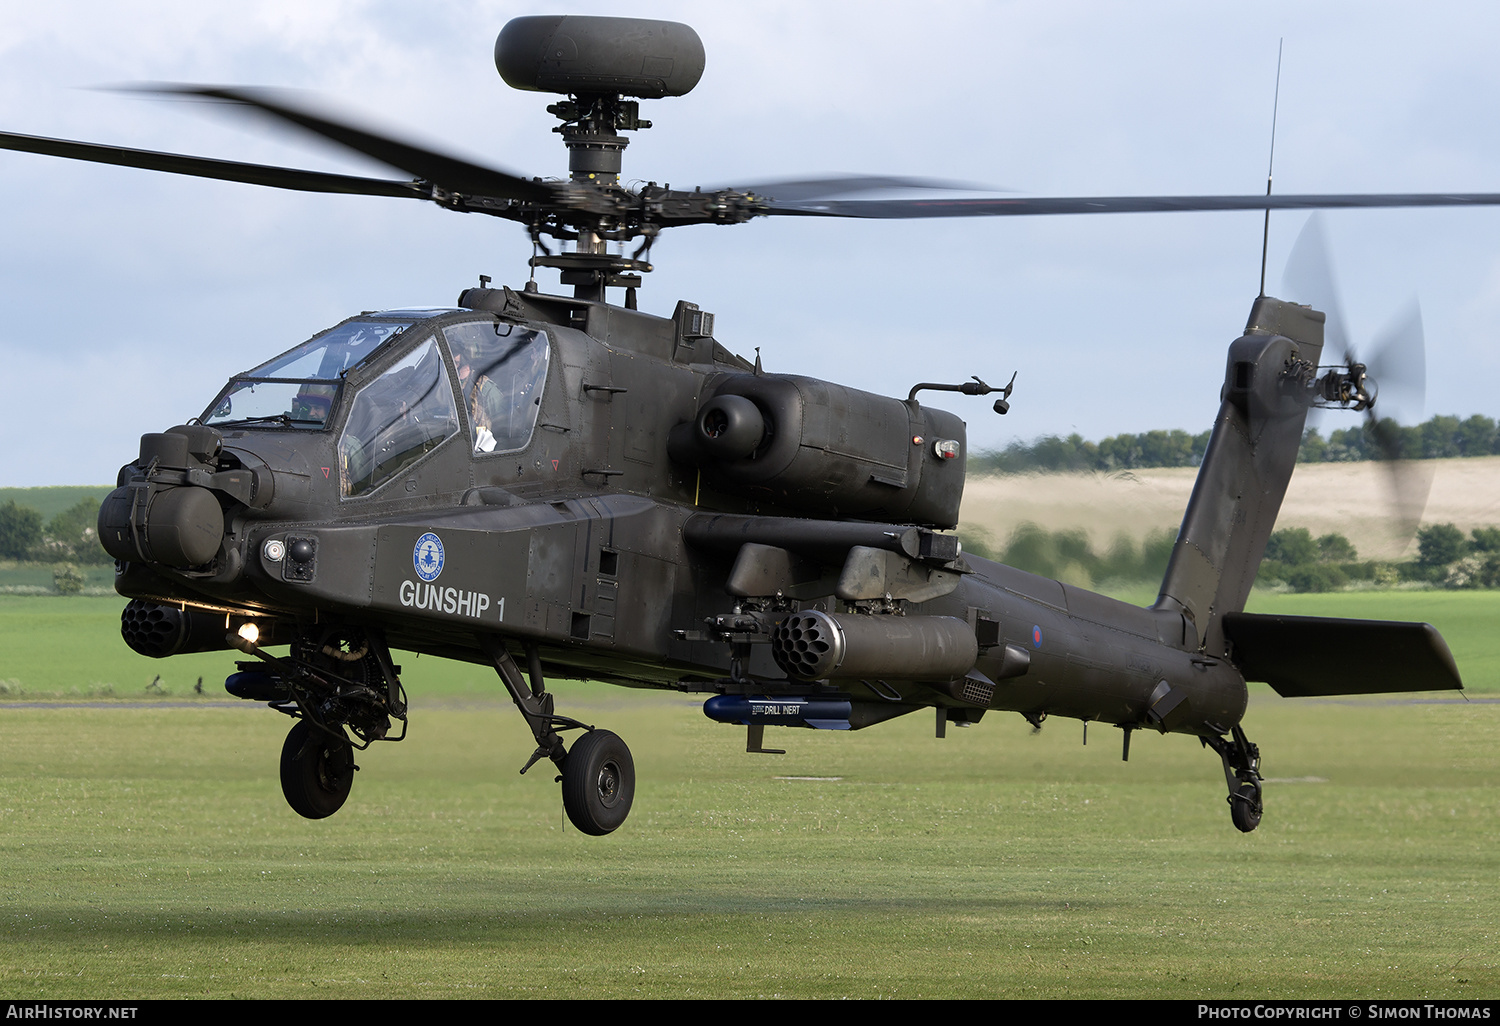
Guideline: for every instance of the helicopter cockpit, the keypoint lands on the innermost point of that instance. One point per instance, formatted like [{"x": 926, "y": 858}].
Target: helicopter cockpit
[
  {"x": 401, "y": 399},
  {"x": 297, "y": 389},
  {"x": 501, "y": 368}
]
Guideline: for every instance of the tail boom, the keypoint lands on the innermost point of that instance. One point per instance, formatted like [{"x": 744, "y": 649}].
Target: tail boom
[{"x": 1246, "y": 468}]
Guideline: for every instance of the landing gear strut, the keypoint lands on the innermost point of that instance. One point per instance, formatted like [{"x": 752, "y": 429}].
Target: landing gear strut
[
  {"x": 1241, "y": 761},
  {"x": 338, "y": 681},
  {"x": 597, "y": 776}
]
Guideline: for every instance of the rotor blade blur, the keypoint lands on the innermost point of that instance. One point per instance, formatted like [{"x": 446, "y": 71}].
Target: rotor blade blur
[
  {"x": 1398, "y": 363},
  {"x": 206, "y": 167},
  {"x": 998, "y": 206},
  {"x": 450, "y": 173},
  {"x": 1308, "y": 279},
  {"x": 1397, "y": 360},
  {"x": 1409, "y": 482}
]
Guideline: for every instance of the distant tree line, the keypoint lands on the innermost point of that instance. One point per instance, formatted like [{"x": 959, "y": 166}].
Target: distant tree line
[
  {"x": 1174, "y": 448},
  {"x": 1441, "y": 437},
  {"x": 1445, "y": 557},
  {"x": 1069, "y": 556},
  {"x": 70, "y": 537},
  {"x": 1294, "y": 559}
]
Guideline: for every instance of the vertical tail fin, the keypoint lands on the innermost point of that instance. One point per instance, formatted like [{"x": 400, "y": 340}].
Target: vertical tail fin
[{"x": 1245, "y": 470}]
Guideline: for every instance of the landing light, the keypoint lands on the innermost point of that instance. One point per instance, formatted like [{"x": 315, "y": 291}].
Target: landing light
[{"x": 249, "y": 632}]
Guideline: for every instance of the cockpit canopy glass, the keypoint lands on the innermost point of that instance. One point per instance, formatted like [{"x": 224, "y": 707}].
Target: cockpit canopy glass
[
  {"x": 397, "y": 419},
  {"x": 501, "y": 369},
  {"x": 297, "y": 389}
]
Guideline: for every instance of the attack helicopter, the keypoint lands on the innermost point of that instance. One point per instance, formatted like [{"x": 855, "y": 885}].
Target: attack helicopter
[{"x": 565, "y": 486}]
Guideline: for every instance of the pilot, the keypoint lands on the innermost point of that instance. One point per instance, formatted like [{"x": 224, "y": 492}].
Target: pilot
[
  {"x": 311, "y": 407},
  {"x": 481, "y": 397}
]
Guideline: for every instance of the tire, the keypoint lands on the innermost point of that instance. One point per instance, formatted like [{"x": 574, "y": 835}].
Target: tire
[
  {"x": 598, "y": 782},
  {"x": 316, "y": 776},
  {"x": 1245, "y": 807}
]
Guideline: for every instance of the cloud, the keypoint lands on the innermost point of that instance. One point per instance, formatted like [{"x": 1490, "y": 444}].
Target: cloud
[{"x": 1116, "y": 323}]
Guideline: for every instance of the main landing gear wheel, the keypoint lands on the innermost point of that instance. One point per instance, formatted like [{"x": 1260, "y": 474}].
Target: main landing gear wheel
[
  {"x": 317, "y": 770},
  {"x": 1245, "y": 807},
  {"x": 1241, "y": 760},
  {"x": 598, "y": 782}
]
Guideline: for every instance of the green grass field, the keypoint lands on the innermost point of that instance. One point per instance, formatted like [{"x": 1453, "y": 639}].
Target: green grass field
[
  {"x": 36, "y": 579},
  {"x": 71, "y": 647},
  {"x": 149, "y": 853}
]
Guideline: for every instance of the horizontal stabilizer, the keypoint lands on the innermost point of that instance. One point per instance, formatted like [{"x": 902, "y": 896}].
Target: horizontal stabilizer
[{"x": 1309, "y": 656}]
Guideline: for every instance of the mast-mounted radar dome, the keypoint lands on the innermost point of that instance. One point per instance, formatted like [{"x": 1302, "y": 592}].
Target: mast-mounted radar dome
[{"x": 590, "y": 56}]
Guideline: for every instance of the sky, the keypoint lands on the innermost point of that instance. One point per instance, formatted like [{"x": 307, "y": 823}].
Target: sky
[{"x": 128, "y": 297}]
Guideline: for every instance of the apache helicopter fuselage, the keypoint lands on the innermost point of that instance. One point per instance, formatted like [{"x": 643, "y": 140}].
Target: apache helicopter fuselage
[
  {"x": 641, "y": 507},
  {"x": 587, "y": 490},
  {"x": 613, "y": 537}
]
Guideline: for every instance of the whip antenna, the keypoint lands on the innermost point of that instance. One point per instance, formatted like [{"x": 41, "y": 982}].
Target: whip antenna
[{"x": 1265, "y": 238}]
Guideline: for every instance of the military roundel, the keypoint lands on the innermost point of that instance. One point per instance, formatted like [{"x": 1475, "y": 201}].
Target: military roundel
[
  {"x": 1036, "y": 633},
  {"x": 427, "y": 558}
]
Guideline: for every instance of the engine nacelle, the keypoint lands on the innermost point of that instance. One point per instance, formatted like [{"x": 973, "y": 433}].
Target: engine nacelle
[{"x": 817, "y": 447}]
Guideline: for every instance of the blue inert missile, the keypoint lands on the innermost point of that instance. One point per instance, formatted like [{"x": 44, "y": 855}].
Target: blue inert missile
[
  {"x": 779, "y": 711},
  {"x": 256, "y": 685}
]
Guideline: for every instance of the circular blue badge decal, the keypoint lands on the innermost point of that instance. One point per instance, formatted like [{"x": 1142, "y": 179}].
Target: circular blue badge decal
[
  {"x": 1036, "y": 632},
  {"x": 427, "y": 558}
]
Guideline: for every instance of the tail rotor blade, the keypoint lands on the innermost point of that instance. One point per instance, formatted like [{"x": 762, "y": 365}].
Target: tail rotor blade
[
  {"x": 1408, "y": 483},
  {"x": 1398, "y": 363},
  {"x": 1309, "y": 279}
]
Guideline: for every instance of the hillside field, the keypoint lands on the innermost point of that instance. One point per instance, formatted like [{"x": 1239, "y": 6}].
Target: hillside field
[{"x": 1352, "y": 499}]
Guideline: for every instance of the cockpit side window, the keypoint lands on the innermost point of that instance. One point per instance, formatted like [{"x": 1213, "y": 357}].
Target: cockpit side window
[
  {"x": 396, "y": 419},
  {"x": 501, "y": 368}
]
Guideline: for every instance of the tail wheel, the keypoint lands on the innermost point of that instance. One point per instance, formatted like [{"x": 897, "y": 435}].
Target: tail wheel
[
  {"x": 1245, "y": 807},
  {"x": 598, "y": 782},
  {"x": 317, "y": 771}
]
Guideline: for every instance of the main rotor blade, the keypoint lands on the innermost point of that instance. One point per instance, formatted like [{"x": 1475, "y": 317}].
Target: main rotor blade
[
  {"x": 449, "y": 173},
  {"x": 206, "y": 167},
  {"x": 803, "y": 190},
  {"x": 997, "y": 206}
]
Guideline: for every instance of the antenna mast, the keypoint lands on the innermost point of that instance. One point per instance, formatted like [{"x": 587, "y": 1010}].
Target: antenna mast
[{"x": 1265, "y": 238}]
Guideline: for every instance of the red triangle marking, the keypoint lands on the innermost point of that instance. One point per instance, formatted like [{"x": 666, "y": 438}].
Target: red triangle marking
[
  {"x": 554, "y": 464},
  {"x": 325, "y": 472}
]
